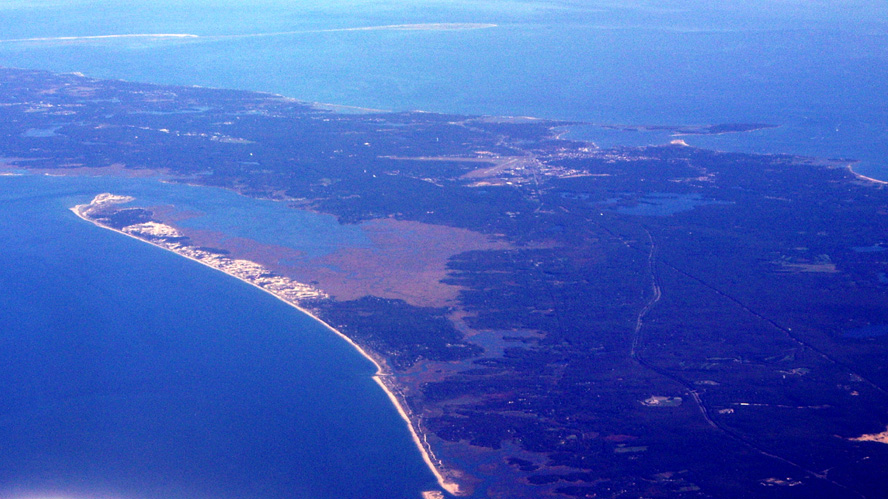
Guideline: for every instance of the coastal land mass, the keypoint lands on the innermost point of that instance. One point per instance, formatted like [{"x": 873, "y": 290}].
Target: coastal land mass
[
  {"x": 551, "y": 318},
  {"x": 104, "y": 207}
]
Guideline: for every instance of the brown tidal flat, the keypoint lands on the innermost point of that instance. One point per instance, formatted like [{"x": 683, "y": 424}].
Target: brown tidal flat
[{"x": 407, "y": 260}]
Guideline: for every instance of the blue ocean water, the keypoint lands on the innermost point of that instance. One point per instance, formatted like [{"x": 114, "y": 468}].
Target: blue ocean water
[
  {"x": 816, "y": 69},
  {"x": 130, "y": 386},
  {"x": 130, "y": 372}
]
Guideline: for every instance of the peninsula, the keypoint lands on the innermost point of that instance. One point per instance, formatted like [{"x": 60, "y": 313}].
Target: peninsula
[
  {"x": 553, "y": 319},
  {"x": 103, "y": 211}
]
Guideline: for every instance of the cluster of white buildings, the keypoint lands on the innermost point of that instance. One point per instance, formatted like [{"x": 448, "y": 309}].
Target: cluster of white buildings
[{"x": 169, "y": 238}]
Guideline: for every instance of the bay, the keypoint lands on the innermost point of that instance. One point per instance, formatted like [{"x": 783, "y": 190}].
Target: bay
[{"x": 164, "y": 379}]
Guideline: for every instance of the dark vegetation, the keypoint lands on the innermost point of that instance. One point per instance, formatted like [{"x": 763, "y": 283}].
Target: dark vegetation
[
  {"x": 119, "y": 219},
  {"x": 403, "y": 333},
  {"x": 753, "y": 257}
]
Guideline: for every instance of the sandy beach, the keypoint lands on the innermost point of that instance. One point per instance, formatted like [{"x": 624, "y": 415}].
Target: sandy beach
[
  {"x": 382, "y": 377},
  {"x": 864, "y": 177}
]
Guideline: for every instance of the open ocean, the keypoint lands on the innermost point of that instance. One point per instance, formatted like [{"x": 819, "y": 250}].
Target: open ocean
[
  {"x": 130, "y": 372},
  {"x": 816, "y": 69}
]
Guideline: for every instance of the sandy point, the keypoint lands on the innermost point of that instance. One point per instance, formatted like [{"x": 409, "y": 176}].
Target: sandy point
[{"x": 864, "y": 177}]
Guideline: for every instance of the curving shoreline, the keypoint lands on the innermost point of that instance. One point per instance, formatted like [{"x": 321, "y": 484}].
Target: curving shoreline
[
  {"x": 379, "y": 377},
  {"x": 863, "y": 177}
]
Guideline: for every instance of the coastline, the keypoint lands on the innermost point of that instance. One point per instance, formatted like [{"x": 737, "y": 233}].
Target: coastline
[
  {"x": 860, "y": 176},
  {"x": 378, "y": 377}
]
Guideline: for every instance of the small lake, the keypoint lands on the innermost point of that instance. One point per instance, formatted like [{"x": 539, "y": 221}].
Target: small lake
[{"x": 658, "y": 204}]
